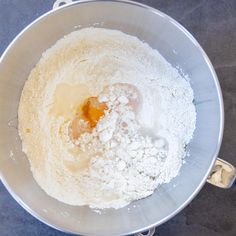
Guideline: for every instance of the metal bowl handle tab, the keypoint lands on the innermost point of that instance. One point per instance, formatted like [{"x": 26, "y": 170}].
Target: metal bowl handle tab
[
  {"x": 59, "y": 3},
  {"x": 150, "y": 232},
  {"x": 223, "y": 174}
]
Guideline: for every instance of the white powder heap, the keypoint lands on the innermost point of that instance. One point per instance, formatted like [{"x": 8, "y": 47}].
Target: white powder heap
[
  {"x": 124, "y": 160},
  {"x": 137, "y": 145}
]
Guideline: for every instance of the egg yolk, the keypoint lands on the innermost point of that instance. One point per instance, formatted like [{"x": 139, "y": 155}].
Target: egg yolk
[
  {"x": 93, "y": 110},
  {"x": 90, "y": 112}
]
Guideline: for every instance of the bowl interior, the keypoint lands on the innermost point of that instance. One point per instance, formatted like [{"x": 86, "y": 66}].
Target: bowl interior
[{"x": 178, "y": 47}]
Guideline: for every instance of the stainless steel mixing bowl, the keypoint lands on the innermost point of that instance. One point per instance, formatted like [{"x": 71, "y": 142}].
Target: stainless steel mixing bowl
[{"x": 179, "y": 47}]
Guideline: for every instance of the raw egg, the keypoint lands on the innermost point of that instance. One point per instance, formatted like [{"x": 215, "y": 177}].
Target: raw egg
[{"x": 87, "y": 117}]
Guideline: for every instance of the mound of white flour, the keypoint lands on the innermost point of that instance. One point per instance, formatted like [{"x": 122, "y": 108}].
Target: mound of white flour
[{"x": 137, "y": 145}]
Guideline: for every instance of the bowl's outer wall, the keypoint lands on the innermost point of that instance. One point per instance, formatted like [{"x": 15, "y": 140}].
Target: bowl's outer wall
[{"x": 178, "y": 47}]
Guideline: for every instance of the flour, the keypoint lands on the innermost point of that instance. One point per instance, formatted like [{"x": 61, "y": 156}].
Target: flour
[{"x": 139, "y": 142}]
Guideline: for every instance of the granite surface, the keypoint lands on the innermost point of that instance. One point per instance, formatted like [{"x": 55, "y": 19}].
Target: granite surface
[{"x": 213, "y": 23}]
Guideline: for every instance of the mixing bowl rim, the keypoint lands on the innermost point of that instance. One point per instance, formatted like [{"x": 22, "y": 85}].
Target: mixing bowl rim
[{"x": 219, "y": 93}]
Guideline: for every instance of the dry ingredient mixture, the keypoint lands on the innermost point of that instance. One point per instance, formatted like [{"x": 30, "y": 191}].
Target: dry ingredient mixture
[{"x": 104, "y": 119}]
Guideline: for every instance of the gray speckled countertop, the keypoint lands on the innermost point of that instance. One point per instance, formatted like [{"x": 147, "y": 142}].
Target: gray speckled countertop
[{"x": 213, "y": 23}]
